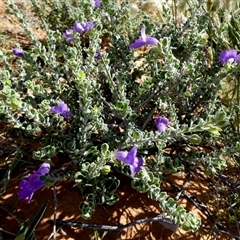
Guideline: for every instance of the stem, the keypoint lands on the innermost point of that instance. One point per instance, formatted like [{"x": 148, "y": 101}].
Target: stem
[
  {"x": 55, "y": 212},
  {"x": 238, "y": 102},
  {"x": 160, "y": 218}
]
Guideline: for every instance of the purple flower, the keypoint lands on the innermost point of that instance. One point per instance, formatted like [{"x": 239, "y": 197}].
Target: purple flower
[
  {"x": 69, "y": 35},
  {"x": 229, "y": 56},
  {"x": 83, "y": 27},
  {"x": 144, "y": 40},
  {"x": 161, "y": 123},
  {"x": 96, "y": 3},
  {"x": 62, "y": 109},
  {"x": 18, "y": 52},
  {"x": 131, "y": 159},
  {"x": 97, "y": 55},
  {"x": 32, "y": 183}
]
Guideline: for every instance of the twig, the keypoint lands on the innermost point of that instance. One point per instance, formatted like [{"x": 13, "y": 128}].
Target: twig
[
  {"x": 9, "y": 233},
  {"x": 197, "y": 204},
  {"x": 10, "y": 212},
  {"x": 184, "y": 187},
  {"x": 203, "y": 208},
  {"x": 160, "y": 218},
  {"x": 237, "y": 223},
  {"x": 153, "y": 95},
  {"x": 216, "y": 230},
  {"x": 148, "y": 119},
  {"x": 55, "y": 229},
  {"x": 55, "y": 211}
]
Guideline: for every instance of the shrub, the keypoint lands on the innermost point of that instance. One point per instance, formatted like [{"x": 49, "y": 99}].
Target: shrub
[{"x": 83, "y": 92}]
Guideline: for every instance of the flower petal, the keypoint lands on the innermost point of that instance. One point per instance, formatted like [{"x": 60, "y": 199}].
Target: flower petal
[
  {"x": 24, "y": 193},
  {"x": 237, "y": 58},
  {"x": 64, "y": 107},
  {"x": 44, "y": 168},
  {"x": 68, "y": 35},
  {"x": 18, "y": 52},
  {"x": 61, "y": 109},
  {"x": 68, "y": 32},
  {"x": 152, "y": 41},
  {"x": 56, "y": 109},
  {"x": 25, "y": 190},
  {"x": 70, "y": 39},
  {"x": 135, "y": 168},
  {"x": 32, "y": 183},
  {"x": 89, "y": 26},
  {"x": 132, "y": 155},
  {"x": 83, "y": 27},
  {"x": 96, "y": 3},
  {"x": 121, "y": 155},
  {"x": 66, "y": 114},
  {"x": 162, "y": 123},
  {"x": 139, "y": 163},
  {"x": 97, "y": 55},
  {"x": 227, "y": 56},
  {"x": 130, "y": 158},
  {"x": 78, "y": 27},
  {"x": 138, "y": 43}
]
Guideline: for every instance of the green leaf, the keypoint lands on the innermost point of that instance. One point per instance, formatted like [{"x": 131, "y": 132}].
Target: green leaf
[
  {"x": 195, "y": 139},
  {"x": 112, "y": 199},
  {"x": 22, "y": 231},
  {"x": 165, "y": 42},
  {"x": 104, "y": 147},
  {"x": 86, "y": 209},
  {"x": 29, "y": 233}
]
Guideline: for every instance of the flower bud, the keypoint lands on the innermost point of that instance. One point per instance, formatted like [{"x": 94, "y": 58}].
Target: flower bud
[
  {"x": 15, "y": 103},
  {"x": 106, "y": 169}
]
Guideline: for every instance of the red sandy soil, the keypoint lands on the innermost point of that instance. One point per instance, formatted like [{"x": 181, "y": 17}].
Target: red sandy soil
[{"x": 131, "y": 207}]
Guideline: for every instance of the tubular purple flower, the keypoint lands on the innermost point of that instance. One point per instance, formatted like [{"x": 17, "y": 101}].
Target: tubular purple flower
[
  {"x": 97, "y": 55},
  {"x": 144, "y": 40},
  {"x": 229, "y": 56},
  {"x": 96, "y": 3},
  {"x": 131, "y": 159},
  {"x": 162, "y": 123},
  {"x": 32, "y": 183},
  {"x": 83, "y": 27},
  {"x": 62, "y": 109},
  {"x": 18, "y": 52},
  {"x": 68, "y": 35}
]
